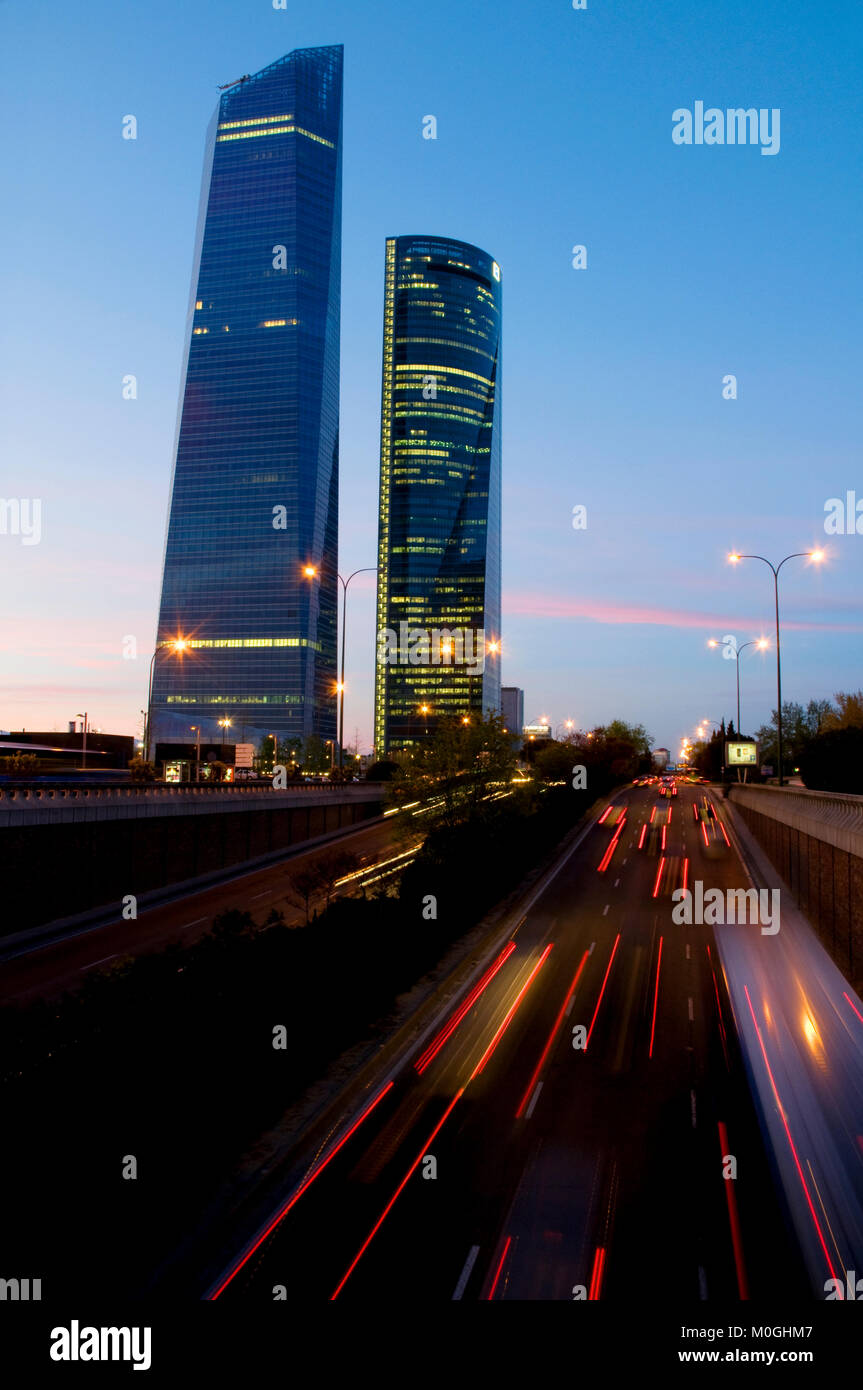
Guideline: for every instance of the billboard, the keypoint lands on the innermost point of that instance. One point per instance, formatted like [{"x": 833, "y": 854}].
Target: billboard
[
  {"x": 244, "y": 754},
  {"x": 741, "y": 754}
]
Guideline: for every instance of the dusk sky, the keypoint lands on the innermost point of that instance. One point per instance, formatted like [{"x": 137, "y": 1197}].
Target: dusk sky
[{"x": 554, "y": 129}]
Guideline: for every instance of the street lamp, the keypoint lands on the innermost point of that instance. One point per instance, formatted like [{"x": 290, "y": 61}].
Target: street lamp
[
  {"x": 224, "y": 724},
  {"x": 192, "y": 729},
  {"x": 817, "y": 556},
  {"x": 178, "y": 646},
  {"x": 762, "y": 644},
  {"x": 84, "y": 743},
  {"x": 311, "y": 573}
]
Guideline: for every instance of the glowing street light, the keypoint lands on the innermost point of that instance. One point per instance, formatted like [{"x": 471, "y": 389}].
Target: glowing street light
[
  {"x": 816, "y": 556},
  {"x": 177, "y": 646}
]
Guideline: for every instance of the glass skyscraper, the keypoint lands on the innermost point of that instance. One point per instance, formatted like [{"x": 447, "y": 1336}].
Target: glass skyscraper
[
  {"x": 255, "y": 487},
  {"x": 438, "y": 604}
]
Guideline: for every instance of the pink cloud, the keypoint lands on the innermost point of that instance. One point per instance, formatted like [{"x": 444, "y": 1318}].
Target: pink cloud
[{"x": 612, "y": 611}]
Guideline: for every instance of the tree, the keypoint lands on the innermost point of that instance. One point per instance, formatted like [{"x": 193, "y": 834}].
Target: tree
[
  {"x": 316, "y": 754},
  {"x": 333, "y": 865},
  {"x": 384, "y": 770},
  {"x": 305, "y": 884},
  {"x": 455, "y": 776},
  {"x": 833, "y": 761},
  {"x": 849, "y": 711}
]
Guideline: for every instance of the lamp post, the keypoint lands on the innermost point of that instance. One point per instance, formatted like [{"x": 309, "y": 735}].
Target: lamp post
[
  {"x": 84, "y": 741},
  {"x": 311, "y": 572},
  {"x": 178, "y": 646},
  {"x": 761, "y": 643},
  {"x": 196, "y": 728},
  {"x": 817, "y": 556},
  {"x": 224, "y": 724},
  {"x": 367, "y": 569}
]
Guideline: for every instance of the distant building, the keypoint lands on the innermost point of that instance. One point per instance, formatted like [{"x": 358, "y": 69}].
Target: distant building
[
  {"x": 660, "y": 758},
  {"x": 512, "y": 708}
]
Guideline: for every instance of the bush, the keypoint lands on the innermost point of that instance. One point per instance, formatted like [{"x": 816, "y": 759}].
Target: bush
[
  {"x": 20, "y": 765},
  {"x": 142, "y": 771},
  {"x": 382, "y": 771}
]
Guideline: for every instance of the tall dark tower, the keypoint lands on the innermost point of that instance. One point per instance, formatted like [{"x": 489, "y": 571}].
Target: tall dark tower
[
  {"x": 254, "y": 499},
  {"x": 439, "y": 537}
]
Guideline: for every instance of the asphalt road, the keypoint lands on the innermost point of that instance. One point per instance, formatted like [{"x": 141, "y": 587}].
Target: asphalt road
[
  {"x": 47, "y": 971},
  {"x": 567, "y": 1133}
]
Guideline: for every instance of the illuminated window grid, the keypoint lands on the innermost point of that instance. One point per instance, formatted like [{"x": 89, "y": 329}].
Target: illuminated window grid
[
  {"x": 384, "y": 522},
  {"x": 255, "y": 120},
  {"x": 278, "y": 130},
  {"x": 200, "y": 642}
]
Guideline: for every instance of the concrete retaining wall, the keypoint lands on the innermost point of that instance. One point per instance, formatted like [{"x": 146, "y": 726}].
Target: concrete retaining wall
[
  {"x": 60, "y": 860},
  {"x": 815, "y": 841}
]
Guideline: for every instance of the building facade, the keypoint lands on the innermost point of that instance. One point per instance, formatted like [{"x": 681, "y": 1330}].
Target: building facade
[
  {"x": 438, "y": 601},
  {"x": 250, "y": 567},
  {"x": 512, "y": 708}
]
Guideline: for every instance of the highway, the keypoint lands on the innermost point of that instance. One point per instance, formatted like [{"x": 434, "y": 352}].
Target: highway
[
  {"x": 581, "y": 1126},
  {"x": 47, "y": 971}
]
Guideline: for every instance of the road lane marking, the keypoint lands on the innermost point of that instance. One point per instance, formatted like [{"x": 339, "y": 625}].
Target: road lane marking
[
  {"x": 98, "y": 962},
  {"x": 534, "y": 1098},
  {"x": 592, "y": 944},
  {"x": 193, "y": 924},
  {"x": 262, "y": 894},
  {"x": 690, "y": 1010},
  {"x": 688, "y": 957},
  {"x": 605, "y": 909},
  {"x": 616, "y": 881},
  {"x": 466, "y": 1272},
  {"x": 692, "y": 1104}
]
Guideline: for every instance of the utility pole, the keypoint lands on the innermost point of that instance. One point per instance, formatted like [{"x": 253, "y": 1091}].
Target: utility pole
[{"x": 84, "y": 741}]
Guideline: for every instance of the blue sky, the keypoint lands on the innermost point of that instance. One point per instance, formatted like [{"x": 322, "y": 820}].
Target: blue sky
[{"x": 554, "y": 129}]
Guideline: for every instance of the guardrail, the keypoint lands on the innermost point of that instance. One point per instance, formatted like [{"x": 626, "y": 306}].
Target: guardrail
[
  {"x": 833, "y": 817},
  {"x": 16, "y": 792}
]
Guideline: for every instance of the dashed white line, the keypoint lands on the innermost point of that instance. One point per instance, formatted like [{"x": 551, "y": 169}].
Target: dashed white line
[
  {"x": 262, "y": 894},
  {"x": 592, "y": 944},
  {"x": 605, "y": 909},
  {"x": 534, "y": 1098},
  {"x": 193, "y": 924},
  {"x": 466, "y": 1272},
  {"x": 99, "y": 962},
  {"x": 616, "y": 881},
  {"x": 691, "y": 1009},
  {"x": 688, "y": 957}
]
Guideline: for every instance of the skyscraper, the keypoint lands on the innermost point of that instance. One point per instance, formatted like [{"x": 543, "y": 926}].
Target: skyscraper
[
  {"x": 438, "y": 605},
  {"x": 512, "y": 708},
  {"x": 255, "y": 485}
]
